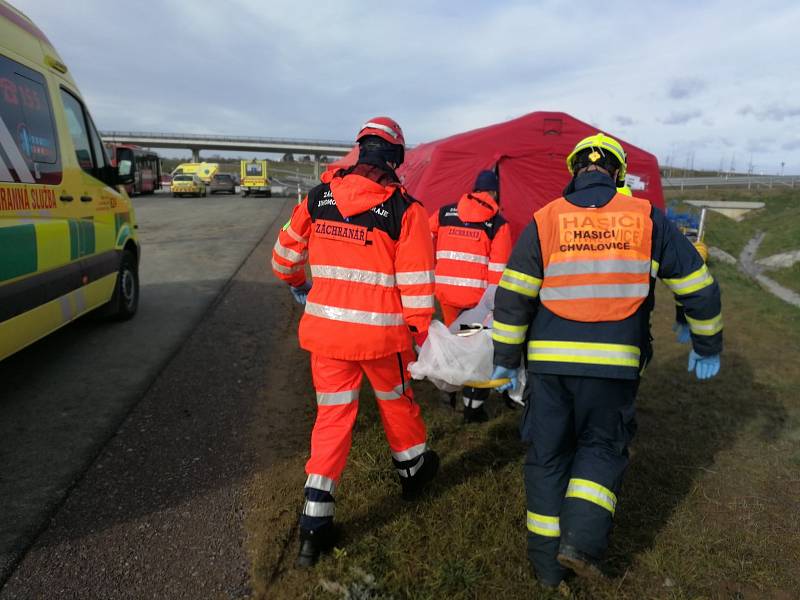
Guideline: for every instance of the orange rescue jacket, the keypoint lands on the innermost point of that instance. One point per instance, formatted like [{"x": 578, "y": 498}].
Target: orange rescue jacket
[
  {"x": 371, "y": 259},
  {"x": 473, "y": 243}
]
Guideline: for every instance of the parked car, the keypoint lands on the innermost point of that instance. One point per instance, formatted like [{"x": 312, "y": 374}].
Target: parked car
[
  {"x": 223, "y": 182},
  {"x": 67, "y": 229},
  {"x": 188, "y": 185}
]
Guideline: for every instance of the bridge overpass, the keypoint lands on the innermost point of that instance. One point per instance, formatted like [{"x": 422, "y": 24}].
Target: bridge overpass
[{"x": 198, "y": 142}]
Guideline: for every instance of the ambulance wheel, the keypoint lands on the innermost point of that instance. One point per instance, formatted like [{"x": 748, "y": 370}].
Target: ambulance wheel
[{"x": 125, "y": 300}]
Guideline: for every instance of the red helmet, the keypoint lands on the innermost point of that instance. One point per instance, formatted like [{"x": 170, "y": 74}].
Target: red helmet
[{"x": 385, "y": 128}]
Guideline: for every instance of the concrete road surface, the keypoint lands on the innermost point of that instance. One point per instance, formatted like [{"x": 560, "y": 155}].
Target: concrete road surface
[{"x": 62, "y": 398}]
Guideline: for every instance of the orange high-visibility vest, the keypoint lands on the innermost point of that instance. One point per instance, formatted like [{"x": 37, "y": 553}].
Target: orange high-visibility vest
[{"x": 596, "y": 260}]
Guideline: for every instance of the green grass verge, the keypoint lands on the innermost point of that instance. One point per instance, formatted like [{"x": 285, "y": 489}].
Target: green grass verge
[
  {"x": 788, "y": 277},
  {"x": 780, "y": 218},
  {"x": 710, "y": 507}
]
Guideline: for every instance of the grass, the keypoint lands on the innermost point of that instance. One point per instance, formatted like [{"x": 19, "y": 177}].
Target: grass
[
  {"x": 779, "y": 218},
  {"x": 710, "y": 507},
  {"x": 788, "y": 277}
]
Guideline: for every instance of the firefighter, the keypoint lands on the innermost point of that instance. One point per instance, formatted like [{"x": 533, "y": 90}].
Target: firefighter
[
  {"x": 472, "y": 242},
  {"x": 579, "y": 289},
  {"x": 369, "y": 250}
]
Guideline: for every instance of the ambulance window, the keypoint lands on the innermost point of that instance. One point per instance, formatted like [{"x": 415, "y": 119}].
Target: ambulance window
[
  {"x": 28, "y": 142},
  {"x": 100, "y": 158},
  {"x": 77, "y": 130}
]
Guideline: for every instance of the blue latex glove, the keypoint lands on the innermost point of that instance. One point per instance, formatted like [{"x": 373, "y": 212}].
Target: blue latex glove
[
  {"x": 682, "y": 332},
  {"x": 505, "y": 373},
  {"x": 300, "y": 293},
  {"x": 705, "y": 367}
]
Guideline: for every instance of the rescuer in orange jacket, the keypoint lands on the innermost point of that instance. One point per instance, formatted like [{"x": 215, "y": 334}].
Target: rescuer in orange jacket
[
  {"x": 472, "y": 242},
  {"x": 578, "y": 291},
  {"x": 369, "y": 250}
]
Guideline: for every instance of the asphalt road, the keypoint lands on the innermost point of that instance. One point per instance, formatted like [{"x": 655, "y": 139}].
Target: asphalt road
[{"x": 62, "y": 399}]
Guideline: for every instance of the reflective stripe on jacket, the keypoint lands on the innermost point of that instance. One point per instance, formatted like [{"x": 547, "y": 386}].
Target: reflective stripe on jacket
[
  {"x": 371, "y": 259},
  {"x": 472, "y": 242},
  {"x": 596, "y": 261}
]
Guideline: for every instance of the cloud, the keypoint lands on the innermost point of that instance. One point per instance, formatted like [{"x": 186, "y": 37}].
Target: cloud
[
  {"x": 791, "y": 145},
  {"x": 681, "y": 118},
  {"x": 680, "y": 89},
  {"x": 306, "y": 69},
  {"x": 771, "y": 113}
]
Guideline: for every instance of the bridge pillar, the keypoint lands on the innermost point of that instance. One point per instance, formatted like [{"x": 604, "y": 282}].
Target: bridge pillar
[
  {"x": 195, "y": 155},
  {"x": 316, "y": 167}
]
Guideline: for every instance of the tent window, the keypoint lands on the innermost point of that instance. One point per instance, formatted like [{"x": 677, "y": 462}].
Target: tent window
[{"x": 552, "y": 126}]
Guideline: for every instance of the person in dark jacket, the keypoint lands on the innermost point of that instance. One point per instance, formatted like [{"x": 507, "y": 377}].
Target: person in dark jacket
[{"x": 578, "y": 291}]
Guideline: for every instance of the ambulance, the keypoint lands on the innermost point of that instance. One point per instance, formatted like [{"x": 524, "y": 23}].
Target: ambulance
[
  {"x": 205, "y": 171},
  {"x": 254, "y": 179},
  {"x": 67, "y": 229}
]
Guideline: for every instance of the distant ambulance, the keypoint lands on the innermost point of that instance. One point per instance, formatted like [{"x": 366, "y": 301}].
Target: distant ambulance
[
  {"x": 254, "y": 178},
  {"x": 205, "y": 171}
]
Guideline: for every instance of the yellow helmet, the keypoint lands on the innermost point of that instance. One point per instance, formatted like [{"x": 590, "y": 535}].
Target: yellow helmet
[{"x": 602, "y": 143}]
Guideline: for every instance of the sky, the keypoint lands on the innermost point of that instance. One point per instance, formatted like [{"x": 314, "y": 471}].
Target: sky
[{"x": 704, "y": 84}]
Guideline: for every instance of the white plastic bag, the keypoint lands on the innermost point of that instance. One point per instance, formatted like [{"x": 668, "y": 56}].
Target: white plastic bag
[
  {"x": 449, "y": 360},
  {"x": 481, "y": 313}
]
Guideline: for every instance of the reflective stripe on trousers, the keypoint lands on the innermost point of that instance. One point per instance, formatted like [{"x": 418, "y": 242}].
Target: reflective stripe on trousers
[
  {"x": 410, "y": 453},
  {"x": 394, "y": 394},
  {"x": 543, "y": 525},
  {"x": 318, "y": 509},
  {"x": 320, "y": 482},
  {"x": 592, "y": 492},
  {"x": 336, "y": 398}
]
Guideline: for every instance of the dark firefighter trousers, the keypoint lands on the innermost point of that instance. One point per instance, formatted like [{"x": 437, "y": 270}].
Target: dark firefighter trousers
[{"x": 578, "y": 429}]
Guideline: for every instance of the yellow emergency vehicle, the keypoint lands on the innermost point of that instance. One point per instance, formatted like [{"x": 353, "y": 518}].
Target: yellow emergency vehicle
[
  {"x": 205, "y": 171},
  {"x": 67, "y": 231},
  {"x": 254, "y": 179}
]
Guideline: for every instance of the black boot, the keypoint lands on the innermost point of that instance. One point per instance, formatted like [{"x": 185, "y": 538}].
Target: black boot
[
  {"x": 314, "y": 542},
  {"x": 581, "y": 563},
  {"x": 414, "y": 486},
  {"x": 475, "y": 415}
]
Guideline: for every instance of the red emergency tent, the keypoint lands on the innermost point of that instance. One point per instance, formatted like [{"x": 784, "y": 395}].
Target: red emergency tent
[{"x": 528, "y": 153}]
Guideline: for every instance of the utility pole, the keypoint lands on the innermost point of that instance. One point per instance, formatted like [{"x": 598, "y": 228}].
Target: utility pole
[{"x": 782, "y": 164}]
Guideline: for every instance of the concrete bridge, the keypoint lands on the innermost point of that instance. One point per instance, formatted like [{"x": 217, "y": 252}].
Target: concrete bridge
[{"x": 197, "y": 142}]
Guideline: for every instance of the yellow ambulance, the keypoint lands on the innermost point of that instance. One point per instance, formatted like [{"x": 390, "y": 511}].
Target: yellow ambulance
[
  {"x": 205, "y": 171},
  {"x": 254, "y": 179},
  {"x": 67, "y": 231}
]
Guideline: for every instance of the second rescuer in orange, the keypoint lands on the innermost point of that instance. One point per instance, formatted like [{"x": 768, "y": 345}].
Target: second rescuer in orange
[
  {"x": 369, "y": 250},
  {"x": 473, "y": 243}
]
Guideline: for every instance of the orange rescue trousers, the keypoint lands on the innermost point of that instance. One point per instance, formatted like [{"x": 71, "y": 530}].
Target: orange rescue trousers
[{"x": 337, "y": 384}]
